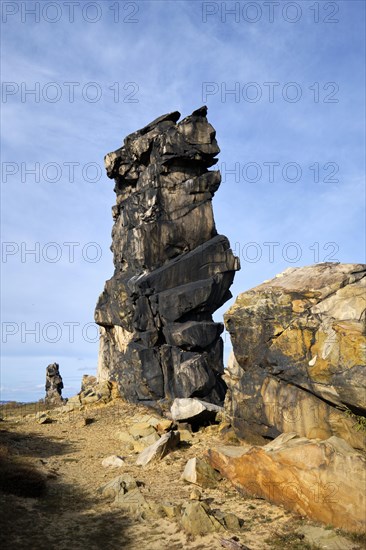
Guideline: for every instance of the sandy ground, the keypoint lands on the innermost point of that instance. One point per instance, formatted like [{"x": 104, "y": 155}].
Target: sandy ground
[{"x": 73, "y": 515}]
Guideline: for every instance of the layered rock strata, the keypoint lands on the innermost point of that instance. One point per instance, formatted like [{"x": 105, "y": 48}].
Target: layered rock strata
[
  {"x": 323, "y": 480},
  {"x": 172, "y": 269},
  {"x": 299, "y": 355}
]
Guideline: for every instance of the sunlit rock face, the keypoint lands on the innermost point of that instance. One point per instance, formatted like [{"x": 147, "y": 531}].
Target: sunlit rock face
[
  {"x": 299, "y": 354},
  {"x": 323, "y": 480},
  {"x": 172, "y": 269}
]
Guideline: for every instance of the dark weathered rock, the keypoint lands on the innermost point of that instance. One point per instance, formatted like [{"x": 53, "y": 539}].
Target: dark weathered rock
[
  {"x": 172, "y": 269},
  {"x": 299, "y": 354},
  {"x": 54, "y": 385}
]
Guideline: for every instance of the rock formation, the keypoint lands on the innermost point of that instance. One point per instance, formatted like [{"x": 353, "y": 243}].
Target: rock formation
[
  {"x": 54, "y": 385},
  {"x": 200, "y": 473},
  {"x": 323, "y": 480},
  {"x": 93, "y": 392},
  {"x": 299, "y": 354},
  {"x": 172, "y": 269}
]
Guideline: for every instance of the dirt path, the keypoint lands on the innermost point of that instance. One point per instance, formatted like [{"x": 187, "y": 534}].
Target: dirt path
[{"x": 73, "y": 515}]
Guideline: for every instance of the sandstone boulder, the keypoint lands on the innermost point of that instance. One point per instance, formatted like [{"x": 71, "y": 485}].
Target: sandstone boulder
[
  {"x": 198, "y": 471},
  {"x": 171, "y": 510},
  {"x": 193, "y": 409},
  {"x": 197, "y": 519},
  {"x": 119, "y": 485},
  {"x": 126, "y": 494},
  {"x": 125, "y": 437},
  {"x": 144, "y": 442},
  {"x": 141, "y": 429},
  {"x": 113, "y": 461},
  {"x": 94, "y": 391},
  {"x": 88, "y": 382},
  {"x": 185, "y": 436},
  {"x": 158, "y": 449},
  {"x": 43, "y": 418},
  {"x": 321, "y": 479},
  {"x": 299, "y": 354},
  {"x": 159, "y": 423}
]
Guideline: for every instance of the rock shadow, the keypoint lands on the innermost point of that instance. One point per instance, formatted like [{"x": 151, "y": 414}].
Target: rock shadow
[{"x": 40, "y": 510}]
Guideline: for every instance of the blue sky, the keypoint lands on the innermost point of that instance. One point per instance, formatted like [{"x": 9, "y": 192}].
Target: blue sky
[{"x": 296, "y": 157}]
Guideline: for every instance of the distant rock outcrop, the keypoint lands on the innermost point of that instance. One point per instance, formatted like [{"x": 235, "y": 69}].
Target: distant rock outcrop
[
  {"x": 172, "y": 269},
  {"x": 54, "y": 385},
  {"x": 299, "y": 355},
  {"x": 93, "y": 392}
]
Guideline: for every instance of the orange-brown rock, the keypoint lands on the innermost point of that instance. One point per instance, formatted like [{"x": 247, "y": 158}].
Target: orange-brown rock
[
  {"x": 299, "y": 354},
  {"x": 323, "y": 480}
]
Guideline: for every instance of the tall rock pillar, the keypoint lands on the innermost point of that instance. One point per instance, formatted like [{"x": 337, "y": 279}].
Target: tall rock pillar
[{"x": 172, "y": 269}]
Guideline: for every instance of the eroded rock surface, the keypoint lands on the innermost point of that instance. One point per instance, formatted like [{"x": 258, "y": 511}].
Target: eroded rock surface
[
  {"x": 299, "y": 354},
  {"x": 193, "y": 409},
  {"x": 323, "y": 480},
  {"x": 172, "y": 269},
  {"x": 54, "y": 385},
  {"x": 198, "y": 471},
  {"x": 159, "y": 448},
  {"x": 93, "y": 391}
]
